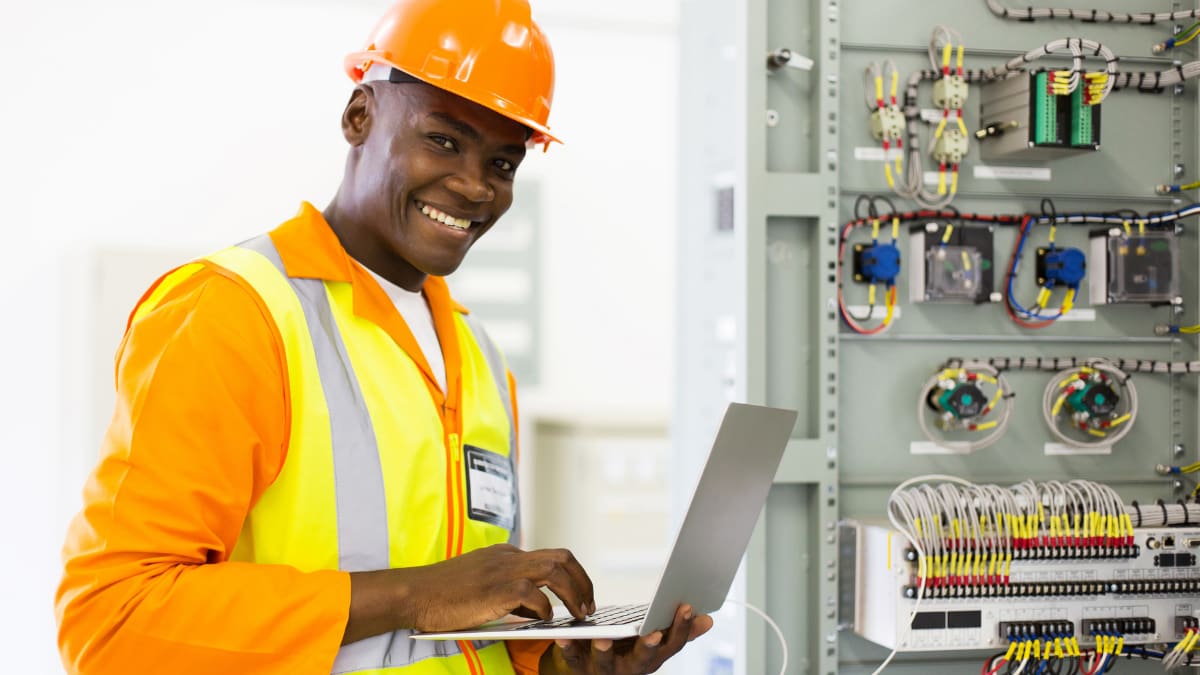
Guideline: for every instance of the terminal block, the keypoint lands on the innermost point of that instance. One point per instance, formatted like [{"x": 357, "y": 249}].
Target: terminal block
[
  {"x": 1131, "y": 268},
  {"x": 950, "y": 147},
  {"x": 1036, "y": 122},
  {"x": 887, "y": 123},
  {"x": 1122, "y": 626},
  {"x": 950, "y": 92}
]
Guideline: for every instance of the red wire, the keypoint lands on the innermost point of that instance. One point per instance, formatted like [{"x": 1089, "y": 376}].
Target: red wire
[
  {"x": 890, "y": 298},
  {"x": 1096, "y": 661},
  {"x": 993, "y": 671}
]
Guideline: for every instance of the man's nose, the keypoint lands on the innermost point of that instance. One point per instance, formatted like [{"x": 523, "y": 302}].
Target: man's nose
[{"x": 472, "y": 185}]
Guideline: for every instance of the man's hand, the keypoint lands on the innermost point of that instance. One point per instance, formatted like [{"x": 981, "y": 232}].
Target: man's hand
[
  {"x": 635, "y": 656},
  {"x": 480, "y": 586}
]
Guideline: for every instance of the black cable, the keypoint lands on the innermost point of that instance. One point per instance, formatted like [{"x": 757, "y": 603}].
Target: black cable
[{"x": 858, "y": 202}]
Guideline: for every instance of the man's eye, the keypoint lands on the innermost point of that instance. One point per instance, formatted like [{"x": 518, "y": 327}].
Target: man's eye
[
  {"x": 505, "y": 166},
  {"x": 443, "y": 141}
]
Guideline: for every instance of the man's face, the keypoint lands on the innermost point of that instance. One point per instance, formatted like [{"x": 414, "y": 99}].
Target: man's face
[{"x": 436, "y": 172}]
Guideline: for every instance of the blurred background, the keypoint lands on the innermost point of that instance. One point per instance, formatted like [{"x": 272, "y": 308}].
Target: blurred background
[{"x": 136, "y": 135}]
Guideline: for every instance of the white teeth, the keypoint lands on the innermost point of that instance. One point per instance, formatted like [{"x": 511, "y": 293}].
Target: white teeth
[{"x": 445, "y": 218}]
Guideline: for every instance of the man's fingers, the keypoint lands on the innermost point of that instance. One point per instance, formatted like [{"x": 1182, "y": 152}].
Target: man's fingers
[
  {"x": 603, "y": 660},
  {"x": 700, "y": 626},
  {"x": 575, "y": 653},
  {"x": 558, "y": 570},
  {"x": 528, "y": 596},
  {"x": 677, "y": 634},
  {"x": 645, "y": 652}
]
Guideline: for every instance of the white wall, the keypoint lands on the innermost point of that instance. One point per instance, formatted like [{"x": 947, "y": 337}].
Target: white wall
[{"x": 184, "y": 127}]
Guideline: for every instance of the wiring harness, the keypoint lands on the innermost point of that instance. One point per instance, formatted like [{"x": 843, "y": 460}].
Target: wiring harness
[
  {"x": 1089, "y": 15},
  {"x": 1037, "y": 315}
]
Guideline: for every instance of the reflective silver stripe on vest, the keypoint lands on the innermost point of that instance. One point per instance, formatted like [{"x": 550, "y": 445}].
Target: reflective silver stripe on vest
[
  {"x": 500, "y": 375},
  {"x": 358, "y": 474}
]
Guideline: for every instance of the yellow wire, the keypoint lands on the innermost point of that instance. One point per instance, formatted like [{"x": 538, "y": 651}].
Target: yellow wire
[
  {"x": 1191, "y": 36},
  {"x": 954, "y": 182},
  {"x": 942, "y": 182},
  {"x": 1128, "y": 228},
  {"x": 887, "y": 172},
  {"x": 895, "y": 227},
  {"x": 960, "y": 55},
  {"x": 947, "y": 233},
  {"x": 874, "y": 229},
  {"x": 946, "y": 56},
  {"x": 895, "y": 81},
  {"x": 878, "y": 88},
  {"x": 1141, "y": 227},
  {"x": 1190, "y": 186}
]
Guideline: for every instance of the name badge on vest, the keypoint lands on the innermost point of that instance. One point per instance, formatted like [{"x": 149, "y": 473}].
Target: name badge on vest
[{"x": 490, "y": 494}]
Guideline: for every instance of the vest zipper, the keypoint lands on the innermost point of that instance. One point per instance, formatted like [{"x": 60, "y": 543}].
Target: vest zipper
[
  {"x": 453, "y": 496},
  {"x": 456, "y": 452}
]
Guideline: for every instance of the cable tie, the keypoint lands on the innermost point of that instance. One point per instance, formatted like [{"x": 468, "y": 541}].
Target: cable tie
[
  {"x": 1139, "y": 513},
  {"x": 1185, "y": 512},
  {"x": 1163, "y": 506}
]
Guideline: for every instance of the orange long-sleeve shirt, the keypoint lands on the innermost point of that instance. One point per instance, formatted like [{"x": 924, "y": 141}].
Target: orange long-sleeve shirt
[{"x": 199, "y": 432}]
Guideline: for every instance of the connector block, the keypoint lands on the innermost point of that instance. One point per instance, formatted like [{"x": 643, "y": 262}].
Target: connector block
[
  {"x": 1083, "y": 130},
  {"x": 1045, "y": 112},
  {"x": 1061, "y": 266},
  {"x": 950, "y": 147},
  {"x": 887, "y": 123},
  {"x": 876, "y": 263},
  {"x": 950, "y": 92}
]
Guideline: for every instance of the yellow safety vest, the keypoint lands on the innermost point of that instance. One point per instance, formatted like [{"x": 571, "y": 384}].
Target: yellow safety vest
[{"x": 372, "y": 479}]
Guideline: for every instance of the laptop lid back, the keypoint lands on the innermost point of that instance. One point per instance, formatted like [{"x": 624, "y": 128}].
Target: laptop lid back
[{"x": 729, "y": 496}]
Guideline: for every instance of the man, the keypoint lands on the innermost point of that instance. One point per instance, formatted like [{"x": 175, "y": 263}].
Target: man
[{"x": 313, "y": 452}]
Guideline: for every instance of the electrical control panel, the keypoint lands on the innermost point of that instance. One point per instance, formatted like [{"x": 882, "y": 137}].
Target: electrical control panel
[
  {"x": 956, "y": 263},
  {"x": 1148, "y": 590},
  {"x": 1135, "y": 266}
]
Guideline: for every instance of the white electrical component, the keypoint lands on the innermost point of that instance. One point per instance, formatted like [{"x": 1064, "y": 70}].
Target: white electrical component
[
  {"x": 950, "y": 147},
  {"x": 950, "y": 92},
  {"x": 1150, "y": 597},
  {"x": 887, "y": 123}
]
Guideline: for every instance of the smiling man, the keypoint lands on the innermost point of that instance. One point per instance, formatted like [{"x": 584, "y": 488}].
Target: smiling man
[{"x": 314, "y": 447}]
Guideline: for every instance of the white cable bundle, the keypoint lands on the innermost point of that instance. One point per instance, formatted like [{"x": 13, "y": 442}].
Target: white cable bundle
[
  {"x": 1077, "y": 47},
  {"x": 1164, "y": 515},
  {"x": 1090, "y": 15}
]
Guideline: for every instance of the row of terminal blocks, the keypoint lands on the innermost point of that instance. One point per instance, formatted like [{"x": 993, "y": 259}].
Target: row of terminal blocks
[
  {"x": 1136, "y": 626},
  {"x": 1062, "y": 552},
  {"x": 1061, "y": 589}
]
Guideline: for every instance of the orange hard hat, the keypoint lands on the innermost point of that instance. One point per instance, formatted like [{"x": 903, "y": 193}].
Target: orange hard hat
[{"x": 487, "y": 51}]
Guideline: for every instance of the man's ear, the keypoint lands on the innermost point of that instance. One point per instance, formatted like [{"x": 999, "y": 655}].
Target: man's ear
[{"x": 358, "y": 115}]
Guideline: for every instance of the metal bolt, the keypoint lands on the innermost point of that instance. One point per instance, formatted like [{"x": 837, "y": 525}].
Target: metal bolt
[
  {"x": 1177, "y": 484},
  {"x": 1177, "y": 90},
  {"x": 1178, "y": 449},
  {"x": 1179, "y": 169},
  {"x": 831, "y": 577},
  {"x": 772, "y": 118}
]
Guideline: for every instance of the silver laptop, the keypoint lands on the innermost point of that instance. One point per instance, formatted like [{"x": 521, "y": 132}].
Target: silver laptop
[{"x": 725, "y": 506}]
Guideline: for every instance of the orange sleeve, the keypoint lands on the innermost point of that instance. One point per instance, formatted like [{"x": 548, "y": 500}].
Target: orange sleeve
[
  {"x": 527, "y": 654},
  {"x": 198, "y": 434}
]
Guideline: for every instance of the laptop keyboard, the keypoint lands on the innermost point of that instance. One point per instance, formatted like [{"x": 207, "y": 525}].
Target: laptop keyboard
[{"x": 605, "y": 616}]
